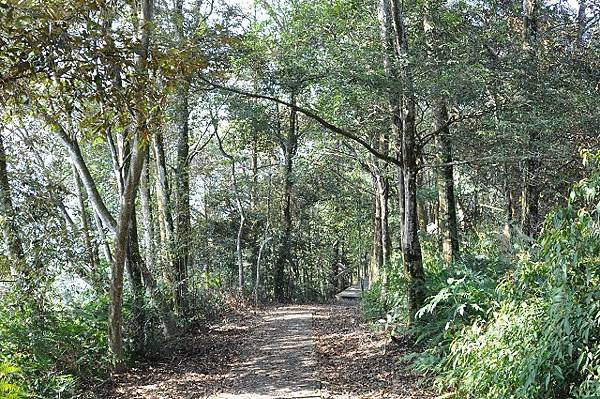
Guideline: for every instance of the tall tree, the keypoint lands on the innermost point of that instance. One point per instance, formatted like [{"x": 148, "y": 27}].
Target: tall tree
[
  {"x": 182, "y": 175},
  {"x": 447, "y": 220},
  {"x": 16, "y": 255},
  {"x": 289, "y": 146},
  {"x": 532, "y": 187},
  {"x": 393, "y": 17}
]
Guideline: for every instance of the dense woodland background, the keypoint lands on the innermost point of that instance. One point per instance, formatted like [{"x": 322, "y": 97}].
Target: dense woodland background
[{"x": 160, "y": 160}]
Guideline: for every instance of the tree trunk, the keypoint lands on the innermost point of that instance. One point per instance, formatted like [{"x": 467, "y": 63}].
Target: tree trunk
[
  {"x": 289, "y": 148},
  {"x": 394, "y": 102},
  {"x": 166, "y": 223},
  {"x": 7, "y": 213},
  {"x": 238, "y": 201},
  {"x": 146, "y": 204},
  {"x": 182, "y": 177},
  {"x": 74, "y": 151},
  {"x": 532, "y": 189},
  {"x": 102, "y": 236},
  {"x": 98, "y": 280},
  {"x": 445, "y": 176},
  {"x": 266, "y": 239},
  {"x": 448, "y": 223},
  {"x": 134, "y": 272},
  {"x": 582, "y": 22},
  {"x": 115, "y": 316},
  {"x": 376, "y": 263},
  {"x": 411, "y": 247}
]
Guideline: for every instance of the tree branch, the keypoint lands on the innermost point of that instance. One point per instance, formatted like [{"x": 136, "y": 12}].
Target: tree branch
[{"x": 311, "y": 114}]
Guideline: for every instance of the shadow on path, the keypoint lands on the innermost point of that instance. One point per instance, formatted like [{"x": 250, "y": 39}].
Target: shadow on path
[{"x": 279, "y": 362}]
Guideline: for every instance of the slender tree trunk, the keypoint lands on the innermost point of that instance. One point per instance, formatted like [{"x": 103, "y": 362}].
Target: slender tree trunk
[
  {"x": 91, "y": 248},
  {"x": 238, "y": 201},
  {"x": 7, "y": 218},
  {"x": 115, "y": 314},
  {"x": 120, "y": 151},
  {"x": 146, "y": 204},
  {"x": 290, "y": 147},
  {"x": 254, "y": 224},
  {"x": 411, "y": 247},
  {"x": 162, "y": 193},
  {"x": 166, "y": 222},
  {"x": 394, "y": 103},
  {"x": 115, "y": 330},
  {"x": 182, "y": 202},
  {"x": 532, "y": 188},
  {"x": 102, "y": 236},
  {"x": 266, "y": 239},
  {"x": 445, "y": 178},
  {"x": 72, "y": 146},
  {"x": 207, "y": 266},
  {"x": 582, "y": 22},
  {"x": 182, "y": 177},
  {"x": 134, "y": 271},
  {"x": 448, "y": 223},
  {"x": 413, "y": 262}
]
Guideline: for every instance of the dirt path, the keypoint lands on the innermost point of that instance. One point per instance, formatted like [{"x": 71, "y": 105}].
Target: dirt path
[
  {"x": 279, "y": 363},
  {"x": 354, "y": 362},
  {"x": 305, "y": 352}
]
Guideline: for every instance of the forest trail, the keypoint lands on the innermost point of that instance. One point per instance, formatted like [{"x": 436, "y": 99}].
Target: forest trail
[
  {"x": 301, "y": 351},
  {"x": 280, "y": 362}
]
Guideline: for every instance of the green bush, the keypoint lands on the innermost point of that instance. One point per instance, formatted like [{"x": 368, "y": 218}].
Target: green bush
[
  {"x": 534, "y": 334},
  {"x": 459, "y": 295},
  {"x": 10, "y": 385},
  {"x": 372, "y": 305},
  {"x": 55, "y": 347}
]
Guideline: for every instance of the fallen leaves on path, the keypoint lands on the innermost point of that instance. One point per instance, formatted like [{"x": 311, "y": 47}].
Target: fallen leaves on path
[
  {"x": 355, "y": 362},
  {"x": 351, "y": 361},
  {"x": 196, "y": 365}
]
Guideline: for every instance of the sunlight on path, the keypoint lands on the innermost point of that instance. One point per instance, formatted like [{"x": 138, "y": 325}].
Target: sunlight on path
[{"x": 280, "y": 363}]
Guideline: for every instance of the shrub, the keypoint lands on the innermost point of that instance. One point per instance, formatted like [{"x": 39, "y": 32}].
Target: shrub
[
  {"x": 372, "y": 305},
  {"x": 10, "y": 385},
  {"x": 52, "y": 348},
  {"x": 537, "y": 333}
]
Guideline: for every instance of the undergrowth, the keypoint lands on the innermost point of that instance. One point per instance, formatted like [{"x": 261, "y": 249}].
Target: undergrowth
[{"x": 525, "y": 328}]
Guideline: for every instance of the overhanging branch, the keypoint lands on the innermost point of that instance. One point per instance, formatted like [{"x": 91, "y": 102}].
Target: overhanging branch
[{"x": 311, "y": 114}]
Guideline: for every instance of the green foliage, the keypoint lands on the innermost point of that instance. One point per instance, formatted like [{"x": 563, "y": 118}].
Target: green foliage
[
  {"x": 535, "y": 333},
  {"x": 10, "y": 385},
  {"x": 372, "y": 307},
  {"x": 460, "y": 294},
  {"x": 52, "y": 349}
]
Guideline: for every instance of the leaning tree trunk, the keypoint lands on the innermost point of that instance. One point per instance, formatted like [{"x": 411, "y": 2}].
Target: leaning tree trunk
[
  {"x": 138, "y": 148},
  {"x": 94, "y": 275},
  {"x": 115, "y": 314}
]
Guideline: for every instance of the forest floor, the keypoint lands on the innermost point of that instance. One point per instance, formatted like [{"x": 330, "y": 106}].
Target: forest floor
[{"x": 308, "y": 351}]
